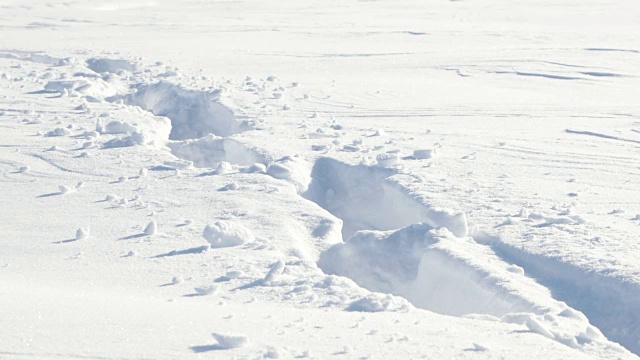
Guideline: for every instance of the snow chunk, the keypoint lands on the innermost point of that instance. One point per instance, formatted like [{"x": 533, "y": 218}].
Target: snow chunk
[
  {"x": 207, "y": 290},
  {"x": 151, "y": 228},
  {"x": 273, "y": 274},
  {"x": 255, "y": 168},
  {"x": 110, "y": 65},
  {"x": 291, "y": 169},
  {"x": 116, "y": 127},
  {"x": 231, "y": 186},
  {"x": 376, "y": 302},
  {"x": 226, "y": 233},
  {"x": 82, "y": 233},
  {"x": 230, "y": 341},
  {"x": 424, "y": 153},
  {"x": 59, "y": 132},
  {"x": 479, "y": 347}
]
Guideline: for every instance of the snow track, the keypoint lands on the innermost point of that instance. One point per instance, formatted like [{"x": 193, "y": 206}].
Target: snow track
[
  {"x": 414, "y": 261},
  {"x": 430, "y": 261},
  {"x": 611, "y": 304},
  {"x": 394, "y": 241}
]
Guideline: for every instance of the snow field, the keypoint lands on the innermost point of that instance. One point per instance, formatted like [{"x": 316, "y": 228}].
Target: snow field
[{"x": 394, "y": 241}]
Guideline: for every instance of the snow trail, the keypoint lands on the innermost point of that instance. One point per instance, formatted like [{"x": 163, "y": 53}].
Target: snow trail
[
  {"x": 394, "y": 242},
  {"x": 611, "y": 304}
]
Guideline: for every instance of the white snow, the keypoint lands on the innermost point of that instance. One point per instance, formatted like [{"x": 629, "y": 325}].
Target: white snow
[
  {"x": 378, "y": 179},
  {"x": 59, "y": 132},
  {"x": 207, "y": 290}
]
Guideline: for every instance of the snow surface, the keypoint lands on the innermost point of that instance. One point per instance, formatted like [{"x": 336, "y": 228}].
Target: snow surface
[{"x": 380, "y": 179}]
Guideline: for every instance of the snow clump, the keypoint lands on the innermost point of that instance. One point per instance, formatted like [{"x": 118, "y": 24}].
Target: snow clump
[{"x": 226, "y": 233}]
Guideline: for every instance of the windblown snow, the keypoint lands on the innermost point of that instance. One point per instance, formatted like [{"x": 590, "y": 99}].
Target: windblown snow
[{"x": 298, "y": 179}]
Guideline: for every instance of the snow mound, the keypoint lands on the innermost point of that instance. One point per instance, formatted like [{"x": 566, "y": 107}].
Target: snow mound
[
  {"x": 151, "y": 228},
  {"x": 115, "y": 127},
  {"x": 368, "y": 198},
  {"x": 230, "y": 341},
  {"x": 226, "y": 233},
  {"x": 150, "y": 130},
  {"x": 274, "y": 272},
  {"x": 207, "y": 290},
  {"x": 59, "y": 132},
  {"x": 193, "y": 114},
  {"x": 93, "y": 87},
  {"x": 432, "y": 269},
  {"x": 110, "y": 65},
  {"x": 208, "y": 151},
  {"x": 376, "y": 302}
]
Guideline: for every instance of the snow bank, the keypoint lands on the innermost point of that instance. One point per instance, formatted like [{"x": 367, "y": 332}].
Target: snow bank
[
  {"x": 193, "y": 114},
  {"x": 367, "y": 198},
  {"x": 208, "y": 151},
  {"x": 151, "y": 228},
  {"x": 115, "y": 127},
  {"x": 226, "y": 233}
]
